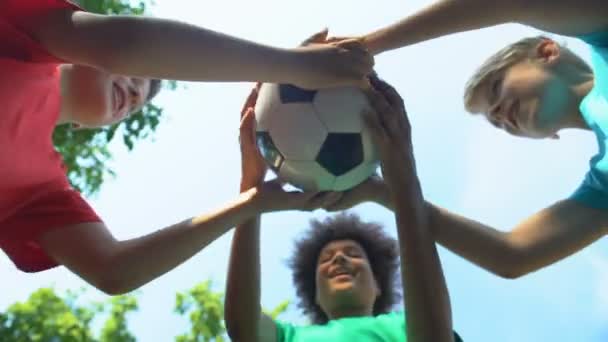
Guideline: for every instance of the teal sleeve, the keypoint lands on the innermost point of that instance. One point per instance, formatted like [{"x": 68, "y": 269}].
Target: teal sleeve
[
  {"x": 285, "y": 331},
  {"x": 590, "y": 197},
  {"x": 599, "y": 38}
]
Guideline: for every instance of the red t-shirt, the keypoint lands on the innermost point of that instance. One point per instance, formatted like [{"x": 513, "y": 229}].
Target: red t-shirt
[{"x": 35, "y": 195}]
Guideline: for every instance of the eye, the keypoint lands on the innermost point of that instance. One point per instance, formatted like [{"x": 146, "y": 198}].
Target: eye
[
  {"x": 354, "y": 253},
  {"x": 324, "y": 258},
  {"x": 496, "y": 88}
]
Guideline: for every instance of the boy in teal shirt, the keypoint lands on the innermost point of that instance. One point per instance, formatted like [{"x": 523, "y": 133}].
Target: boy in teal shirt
[{"x": 533, "y": 88}]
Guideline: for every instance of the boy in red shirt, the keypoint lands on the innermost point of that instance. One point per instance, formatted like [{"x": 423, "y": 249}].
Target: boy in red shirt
[{"x": 59, "y": 64}]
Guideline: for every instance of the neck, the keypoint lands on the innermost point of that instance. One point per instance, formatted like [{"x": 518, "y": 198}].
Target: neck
[
  {"x": 64, "y": 114},
  {"x": 580, "y": 90},
  {"x": 579, "y": 79},
  {"x": 353, "y": 311}
]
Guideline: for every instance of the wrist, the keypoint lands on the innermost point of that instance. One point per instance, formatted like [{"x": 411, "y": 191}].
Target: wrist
[
  {"x": 384, "y": 197},
  {"x": 287, "y": 63},
  {"x": 252, "y": 201},
  {"x": 247, "y": 185},
  {"x": 373, "y": 43}
]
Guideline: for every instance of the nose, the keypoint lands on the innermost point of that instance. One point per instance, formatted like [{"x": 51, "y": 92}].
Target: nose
[{"x": 339, "y": 258}]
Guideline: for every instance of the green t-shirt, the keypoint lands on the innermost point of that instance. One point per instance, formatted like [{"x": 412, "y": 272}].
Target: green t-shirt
[
  {"x": 382, "y": 328},
  {"x": 593, "y": 192}
]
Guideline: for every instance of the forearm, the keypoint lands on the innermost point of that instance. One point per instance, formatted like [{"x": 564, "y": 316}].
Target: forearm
[
  {"x": 160, "y": 48},
  {"x": 137, "y": 261},
  {"x": 478, "y": 243},
  {"x": 426, "y": 295},
  {"x": 445, "y": 17},
  {"x": 441, "y": 18},
  {"x": 242, "y": 310}
]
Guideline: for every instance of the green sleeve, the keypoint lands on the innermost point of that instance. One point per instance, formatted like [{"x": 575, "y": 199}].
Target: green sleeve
[{"x": 285, "y": 331}]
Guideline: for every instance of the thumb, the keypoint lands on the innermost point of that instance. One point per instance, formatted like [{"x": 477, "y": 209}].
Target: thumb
[
  {"x": 248, "y": 124},
  {"x": 318, "y": 37},
  {"x": 352, "y": 44}
]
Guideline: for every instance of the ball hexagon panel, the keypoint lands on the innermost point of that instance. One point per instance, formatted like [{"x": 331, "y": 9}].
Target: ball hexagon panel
[
  {"x": 291, "y": 94},
  {"x": 296, "y": 131},
  {"x": 306, "y": 175},
  {"x": 269, "y": 151},
  {"x": 370, "y": 153},
  {"x": 341, "y": 152},
  {"x": 340, "y": 108},
  {"x": 268, "y": 99},
  {"x": 355, "y": 177}
]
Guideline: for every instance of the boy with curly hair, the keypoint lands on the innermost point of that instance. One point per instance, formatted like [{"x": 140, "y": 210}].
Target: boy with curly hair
[{"x": 344, "y": 269}]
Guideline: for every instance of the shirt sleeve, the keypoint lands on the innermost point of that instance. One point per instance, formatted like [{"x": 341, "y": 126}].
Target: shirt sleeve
[
  {"x": 285, "y": 331},
  {"x": 21, "y": 231},
  {"x": 17, "y": 21},
  {"x": 590, "y": 196}
]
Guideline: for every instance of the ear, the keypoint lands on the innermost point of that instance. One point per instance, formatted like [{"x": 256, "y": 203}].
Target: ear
[
  {"x": 548, "y": 51},
  {"x": 378, "y": 291}
]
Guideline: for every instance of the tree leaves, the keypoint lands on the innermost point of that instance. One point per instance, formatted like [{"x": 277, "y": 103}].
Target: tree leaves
[{"x": 49, "y": 317}]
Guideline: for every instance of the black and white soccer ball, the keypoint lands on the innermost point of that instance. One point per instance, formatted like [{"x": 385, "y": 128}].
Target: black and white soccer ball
[{"x": 315, "y": 140}]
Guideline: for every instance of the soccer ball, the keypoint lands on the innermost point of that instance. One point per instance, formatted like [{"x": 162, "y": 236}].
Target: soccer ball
[{"x": 315, "y": 140}]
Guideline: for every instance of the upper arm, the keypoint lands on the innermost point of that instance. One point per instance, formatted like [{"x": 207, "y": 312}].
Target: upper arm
[
  {"x": 266, "y": 330},
  {"x": 83, "y": 248},
  {"x": 567, "y": 17},
  {"x": 556, "y": 232},
  {"x": 75, "y": 36}
]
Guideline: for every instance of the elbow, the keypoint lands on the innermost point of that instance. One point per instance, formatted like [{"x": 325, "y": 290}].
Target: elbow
[
  {"x": 512, "y": 266},
  {"x": 510, "y": 273},
  {"x": 113, "y": 287},
  {"x": 111, "y": 282}
]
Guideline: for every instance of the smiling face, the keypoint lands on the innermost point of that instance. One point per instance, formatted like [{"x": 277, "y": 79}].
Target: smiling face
[
  {"x": 344, "y": 278},
  {"x": 533, "y": 97},
  {"x": 94, "y": 98}
]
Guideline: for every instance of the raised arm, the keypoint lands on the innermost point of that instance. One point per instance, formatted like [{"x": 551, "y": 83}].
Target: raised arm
[
  {"x": 426, "y": 296},
  {"x": 243, "y": 314},
  {"x": 242, "y": 309},
  {"x": 444, "y": 17},
  {"x": 168, "y": 49},
  {"x": 540, "y": 240}
]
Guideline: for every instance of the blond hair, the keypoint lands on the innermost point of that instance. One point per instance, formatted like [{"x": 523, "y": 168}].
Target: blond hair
[{"x": 524, "y": 49}]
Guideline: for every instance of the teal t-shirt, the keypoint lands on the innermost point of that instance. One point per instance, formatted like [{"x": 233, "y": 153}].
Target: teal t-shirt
[
  {"x": 594, "y": 107},
  {"x": 382, "y": 328}
]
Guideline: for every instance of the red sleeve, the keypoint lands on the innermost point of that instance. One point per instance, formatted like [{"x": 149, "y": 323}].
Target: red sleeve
[
  {"x": 20, "y": 232},
  {"x": 17, "y": 18}
]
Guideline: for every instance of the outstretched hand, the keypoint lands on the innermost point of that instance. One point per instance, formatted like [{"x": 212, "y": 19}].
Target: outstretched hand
[
  {"x": 329, "y": 64},
  {"x": 372, "y": 189},
  {"x": 390, "y": 129},
  {"x": 253, "y": 166},
  {"x": 270, "y": 196}
]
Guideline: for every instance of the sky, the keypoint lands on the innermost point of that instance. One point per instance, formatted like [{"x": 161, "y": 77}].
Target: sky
[{"x": 464, "y": 164}]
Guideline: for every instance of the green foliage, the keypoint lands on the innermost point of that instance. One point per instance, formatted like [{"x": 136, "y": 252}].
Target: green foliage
[
  {"x": 115, "y": 328},
  {"x": 49, "y": 317},
  {"x": 206, "y": 313},
  {"x": 276, "y": 312},
  {"x": 85, "y": 151}
]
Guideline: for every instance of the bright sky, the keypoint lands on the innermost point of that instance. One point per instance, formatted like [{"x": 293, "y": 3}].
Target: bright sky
[{"x": 464, "y": 164}]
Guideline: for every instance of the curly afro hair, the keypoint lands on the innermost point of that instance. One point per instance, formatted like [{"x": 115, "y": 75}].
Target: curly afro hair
[
  {"x": 155, "y": 87},
  {"x": 381, "y": 249}
]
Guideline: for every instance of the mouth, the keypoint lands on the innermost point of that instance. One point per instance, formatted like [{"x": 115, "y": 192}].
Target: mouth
[
  {"x": 340, "y": 273},
  {"x": 119, "y": 99},
  {"x": 512, "y": 114}
]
